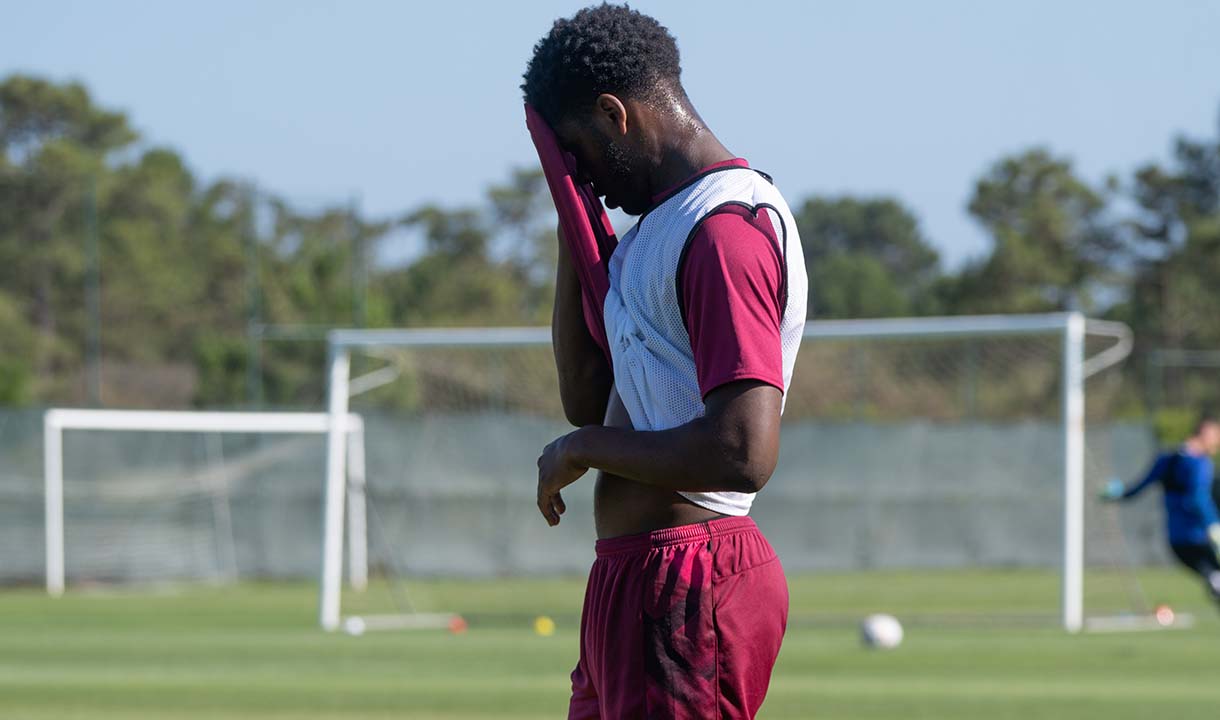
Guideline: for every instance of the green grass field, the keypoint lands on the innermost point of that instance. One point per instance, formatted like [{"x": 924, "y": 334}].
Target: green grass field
[{"x": 980, "y": 645}]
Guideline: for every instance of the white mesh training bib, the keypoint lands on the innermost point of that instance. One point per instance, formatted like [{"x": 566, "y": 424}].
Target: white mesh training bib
[{"x": 654, "y": 366}]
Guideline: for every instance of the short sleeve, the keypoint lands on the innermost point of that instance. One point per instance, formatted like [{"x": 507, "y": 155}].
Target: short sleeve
[{"x": 731, "y": 286}]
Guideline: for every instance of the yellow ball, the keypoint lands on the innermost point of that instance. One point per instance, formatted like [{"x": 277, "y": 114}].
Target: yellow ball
[{"x": 544, "y": 626}]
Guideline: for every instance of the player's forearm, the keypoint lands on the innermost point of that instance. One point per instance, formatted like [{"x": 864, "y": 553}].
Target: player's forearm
[
  {"x": 1143, "y": 484},
  {"x": 709, "y": 454},
  {"x": 584, "y": 373}
]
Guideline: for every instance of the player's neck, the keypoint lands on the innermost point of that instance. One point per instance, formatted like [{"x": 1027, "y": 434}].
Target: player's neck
[{"x": 685, "y": 156}]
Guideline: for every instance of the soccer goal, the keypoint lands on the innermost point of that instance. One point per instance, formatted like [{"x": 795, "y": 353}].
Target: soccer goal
[
  {"x": 166, "y": 497},
  {"x": 907, "y": 443}
]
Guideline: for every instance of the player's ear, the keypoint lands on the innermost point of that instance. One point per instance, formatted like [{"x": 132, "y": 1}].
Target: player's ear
[{"x": 612, "y": 112}]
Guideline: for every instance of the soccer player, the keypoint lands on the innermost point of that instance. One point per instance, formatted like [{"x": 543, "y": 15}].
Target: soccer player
[
  {"x": 686, "y": 603},
  {"x": 1185, "y": 476}
]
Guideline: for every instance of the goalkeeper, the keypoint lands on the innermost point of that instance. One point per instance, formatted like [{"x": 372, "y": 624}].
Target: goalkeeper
[{"x": 1185, "y": 476}]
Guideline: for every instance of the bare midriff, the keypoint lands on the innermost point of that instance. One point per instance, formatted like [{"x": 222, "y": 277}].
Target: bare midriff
[{"x": 626, "y": 507}]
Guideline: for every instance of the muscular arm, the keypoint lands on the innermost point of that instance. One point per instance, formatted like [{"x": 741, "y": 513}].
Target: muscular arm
[
  {"x": 733, "y": 447},
  {"x": 584, "y": 374}
]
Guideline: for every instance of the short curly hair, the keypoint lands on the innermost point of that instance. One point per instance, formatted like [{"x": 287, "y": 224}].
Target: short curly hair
[{"x": 601, "y": 49}]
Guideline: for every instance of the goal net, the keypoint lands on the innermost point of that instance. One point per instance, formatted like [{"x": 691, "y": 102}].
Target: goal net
[
  {"x": 139, "y": 497},
  {"x": 960, "y": 442}
]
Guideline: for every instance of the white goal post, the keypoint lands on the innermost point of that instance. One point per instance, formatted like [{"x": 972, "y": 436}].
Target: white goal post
[
  {"x": 1071, "y": 328},
  {"x": 349, "y": 431}
]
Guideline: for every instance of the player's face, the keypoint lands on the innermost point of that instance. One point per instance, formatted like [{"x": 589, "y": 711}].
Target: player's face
[
  {"x": 1209, "y": 434},
  {"x": 612, "y": 164}
]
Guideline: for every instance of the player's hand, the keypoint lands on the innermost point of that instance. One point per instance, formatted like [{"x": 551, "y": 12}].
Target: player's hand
[
  {"x": 1112, "y": 491},
  {"x": 556, "y": 470},
  {"x": 1213, "y": 534}
]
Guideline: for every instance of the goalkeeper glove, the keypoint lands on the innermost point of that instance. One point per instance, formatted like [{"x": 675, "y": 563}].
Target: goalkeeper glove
[{"x": 1113, "y": 490}]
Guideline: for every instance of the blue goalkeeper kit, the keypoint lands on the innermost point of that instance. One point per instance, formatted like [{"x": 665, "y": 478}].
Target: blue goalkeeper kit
[{"x": 1187, "y": 482}]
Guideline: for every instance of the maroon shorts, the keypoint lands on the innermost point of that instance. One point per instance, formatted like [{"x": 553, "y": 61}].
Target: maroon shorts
[{"x": 684, "y": 622}]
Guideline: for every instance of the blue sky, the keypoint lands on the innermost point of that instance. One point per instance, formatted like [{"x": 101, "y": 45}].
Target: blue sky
[{"x": 398, "y": 103}]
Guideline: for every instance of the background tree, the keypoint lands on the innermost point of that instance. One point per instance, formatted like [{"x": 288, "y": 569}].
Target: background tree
[
  {"x": 866, "y": 257},
  {"x": 54, "y": 142},
  {"x": 1053, "y": 244},
  {"x": 1172, "y": 246}
]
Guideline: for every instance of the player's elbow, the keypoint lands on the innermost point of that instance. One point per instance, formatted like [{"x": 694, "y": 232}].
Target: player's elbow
[
  {"x": 747, "y": 463},
  {"x": 582, "y": 411},
  {"x": 748, "y": 480},
  {"x": 744, "y": 422}
]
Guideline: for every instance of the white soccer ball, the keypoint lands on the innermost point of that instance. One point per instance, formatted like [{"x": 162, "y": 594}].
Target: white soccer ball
[
  {"x": 881, "y": 632},
  {"x": 354, "y": 626}
]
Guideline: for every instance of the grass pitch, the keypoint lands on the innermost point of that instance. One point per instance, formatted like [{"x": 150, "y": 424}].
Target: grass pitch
[{"x": 979, "y": 645}]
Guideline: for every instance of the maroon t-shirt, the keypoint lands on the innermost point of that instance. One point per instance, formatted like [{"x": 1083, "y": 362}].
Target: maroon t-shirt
[{"x": 731, "y": 286}]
